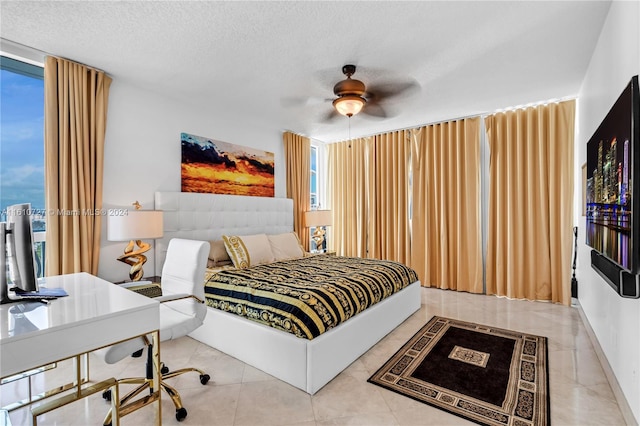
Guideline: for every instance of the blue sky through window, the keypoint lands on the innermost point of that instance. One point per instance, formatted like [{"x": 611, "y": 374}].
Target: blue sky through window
[{"x": 21, "y": 139}]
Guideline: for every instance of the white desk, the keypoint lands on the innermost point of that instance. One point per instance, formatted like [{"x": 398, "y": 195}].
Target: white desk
[{"x": 95, "y": 314}]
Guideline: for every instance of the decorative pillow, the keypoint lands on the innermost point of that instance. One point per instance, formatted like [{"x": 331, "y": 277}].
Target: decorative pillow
[
  {"x": 248, "y": 250},
  {"x": 218, "y": 253},
  {"x": 286, "y": 246}
]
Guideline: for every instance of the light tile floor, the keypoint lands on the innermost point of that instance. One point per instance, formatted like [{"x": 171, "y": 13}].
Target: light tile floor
[{"x": 239, "y": 394}]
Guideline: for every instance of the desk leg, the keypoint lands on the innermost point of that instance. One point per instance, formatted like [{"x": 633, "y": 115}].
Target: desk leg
[
  {"x": 84, "y": 378},
  {"x": 115, "y": 405},
  {"x": 157, "y": 375}
]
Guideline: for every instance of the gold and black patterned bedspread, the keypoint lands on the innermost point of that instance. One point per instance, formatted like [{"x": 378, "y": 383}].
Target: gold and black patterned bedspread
[{"x": 306, "y": 296}]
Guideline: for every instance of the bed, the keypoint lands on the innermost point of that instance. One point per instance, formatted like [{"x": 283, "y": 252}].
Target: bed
[{"x": 307, "y": 364}]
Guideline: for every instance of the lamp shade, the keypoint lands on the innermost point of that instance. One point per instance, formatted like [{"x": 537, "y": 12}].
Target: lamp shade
[
  {"x": 317, "y": 218},
  {"x": 135, "y": 225},
  {"x": 349, "y": 104}
]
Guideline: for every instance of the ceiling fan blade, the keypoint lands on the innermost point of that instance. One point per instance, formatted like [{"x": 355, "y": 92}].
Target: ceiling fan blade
[
  {"x": 330, "y": 116},
  {"x": 374, "y": 109},
  {"x": 384, "y": 91},
  {"x": 301, "y": 101},
  {"x": 294, "y": 101}
]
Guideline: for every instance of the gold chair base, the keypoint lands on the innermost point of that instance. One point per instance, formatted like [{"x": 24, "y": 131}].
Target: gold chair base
[{"x": 127, "y": 407}]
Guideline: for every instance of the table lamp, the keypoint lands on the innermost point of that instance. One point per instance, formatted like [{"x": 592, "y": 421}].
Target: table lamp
[
  {"x": 134, "y": 226},
  {"x": 318, "y": 219}
]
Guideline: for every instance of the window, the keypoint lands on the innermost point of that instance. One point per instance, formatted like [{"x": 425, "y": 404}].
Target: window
[
  {"x": 317, "y": 183},
  {"x": 313, "y": 190},
  {"x": 314, "y": 178},
  {"x": 22, "y": 143}
]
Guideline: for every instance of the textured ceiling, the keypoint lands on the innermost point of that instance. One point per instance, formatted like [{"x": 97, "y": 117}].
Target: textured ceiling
[{"x": 278, "y": 61}]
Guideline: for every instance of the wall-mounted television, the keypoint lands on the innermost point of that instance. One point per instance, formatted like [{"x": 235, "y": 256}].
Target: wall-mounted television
[{"x": 613, "y": 195}]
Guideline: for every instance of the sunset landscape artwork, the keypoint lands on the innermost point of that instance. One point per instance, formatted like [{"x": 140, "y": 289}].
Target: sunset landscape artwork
[{"x": 216, "y": 167}]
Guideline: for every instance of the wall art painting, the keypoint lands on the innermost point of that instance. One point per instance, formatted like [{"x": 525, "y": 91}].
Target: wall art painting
[{"x": 216, "y": 167}]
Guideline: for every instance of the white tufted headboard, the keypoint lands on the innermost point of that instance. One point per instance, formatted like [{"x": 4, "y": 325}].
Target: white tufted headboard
[{"x": 207, "y": 217}]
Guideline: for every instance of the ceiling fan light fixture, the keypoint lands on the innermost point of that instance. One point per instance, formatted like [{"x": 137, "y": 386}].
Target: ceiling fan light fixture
[{"x": 349, "y": 105}]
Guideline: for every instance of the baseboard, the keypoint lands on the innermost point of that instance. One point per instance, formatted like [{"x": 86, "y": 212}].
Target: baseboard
[{"x": 629, "y": 418}]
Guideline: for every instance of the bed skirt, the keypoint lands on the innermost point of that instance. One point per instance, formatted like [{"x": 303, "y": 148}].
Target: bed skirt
[{"x": 306, "y": 364}]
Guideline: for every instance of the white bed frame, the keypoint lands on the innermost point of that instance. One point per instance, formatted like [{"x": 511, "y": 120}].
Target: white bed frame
[{"x": 305, "y": 364}]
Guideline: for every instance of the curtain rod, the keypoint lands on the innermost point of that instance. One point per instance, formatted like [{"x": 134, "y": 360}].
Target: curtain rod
[
  {"x": 482, "y": 114},
  {"x": 20, "y": 46}
]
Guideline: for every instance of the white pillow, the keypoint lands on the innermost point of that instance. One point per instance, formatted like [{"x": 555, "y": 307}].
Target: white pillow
[
  {"x": 286, "y": 246},
  {"x": 218, "y": 253},
  {"x": 248, "y": 250}
]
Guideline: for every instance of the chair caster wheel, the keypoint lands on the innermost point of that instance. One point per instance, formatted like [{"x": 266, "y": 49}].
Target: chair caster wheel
[
  {"x": 164, "y": 369},
  {"x": 181, "y": 414},
  {"x": 106, "y": 395},
  {"x": 204, "y": 378}
]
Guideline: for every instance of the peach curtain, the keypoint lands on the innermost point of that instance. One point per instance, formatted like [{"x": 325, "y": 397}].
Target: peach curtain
[
  {"x": 446, "y": 237},
  {"x": 76, "y": 99},
  {"x": 390, "y": 237},
  {"x": 350, "y": 175},
  {"x": 531, "y": 202},
  {"x": 297, "y": 154}
]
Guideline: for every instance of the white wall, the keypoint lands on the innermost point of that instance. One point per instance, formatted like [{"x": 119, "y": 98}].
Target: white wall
[
  {"x": 143, "y": 154},
  {"x": 615, "y": 321}
]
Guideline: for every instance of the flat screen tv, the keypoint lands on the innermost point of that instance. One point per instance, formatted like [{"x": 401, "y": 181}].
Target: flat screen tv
[{"x": 613, "y": 212}]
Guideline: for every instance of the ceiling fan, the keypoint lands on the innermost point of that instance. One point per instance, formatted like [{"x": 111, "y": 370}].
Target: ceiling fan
[
  {"x": 349, "y": 92},
  {"x": 354, "y": 97}
]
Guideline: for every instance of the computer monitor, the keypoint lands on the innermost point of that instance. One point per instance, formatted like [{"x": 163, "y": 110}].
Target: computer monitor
[
  {"x": 4, "y": 290},
  {"x": 18, "y": 251}
]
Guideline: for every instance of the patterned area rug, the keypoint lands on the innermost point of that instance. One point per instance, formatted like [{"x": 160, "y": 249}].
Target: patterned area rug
[{"x": 488, "y": 375}]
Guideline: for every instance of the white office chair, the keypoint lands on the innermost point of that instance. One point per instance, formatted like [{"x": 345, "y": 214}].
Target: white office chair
[{"x": 182, "y": 310}]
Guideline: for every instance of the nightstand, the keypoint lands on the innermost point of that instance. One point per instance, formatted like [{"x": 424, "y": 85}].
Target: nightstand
[
  {"x": 154, "y": 279},
  {"x": 149, "y": 287},
  {"x": 328, "y": 253}
]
